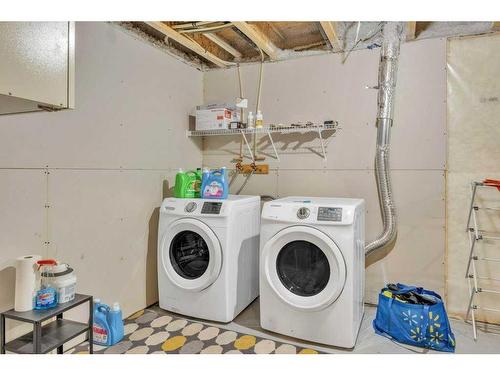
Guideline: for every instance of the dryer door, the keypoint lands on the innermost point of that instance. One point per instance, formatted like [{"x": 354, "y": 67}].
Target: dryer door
[
  {"x": 304, "y": 267},
  {"x": 191, "y": 254}
]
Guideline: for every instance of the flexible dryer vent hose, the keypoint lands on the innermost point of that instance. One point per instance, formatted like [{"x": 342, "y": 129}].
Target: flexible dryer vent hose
[{"x": 388, "y": 68}]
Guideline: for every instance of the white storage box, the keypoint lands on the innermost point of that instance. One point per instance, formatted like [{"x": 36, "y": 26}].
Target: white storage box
[{"x": 215, "y": 117}]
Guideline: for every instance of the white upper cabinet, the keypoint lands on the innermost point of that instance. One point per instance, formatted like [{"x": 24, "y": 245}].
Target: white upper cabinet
[{"x": 37, "y": 62}]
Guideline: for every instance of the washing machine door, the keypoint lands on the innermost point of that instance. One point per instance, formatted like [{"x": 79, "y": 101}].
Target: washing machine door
[
  {"x": 191, "y": 254},
  {"x": 304, "y": 267}
]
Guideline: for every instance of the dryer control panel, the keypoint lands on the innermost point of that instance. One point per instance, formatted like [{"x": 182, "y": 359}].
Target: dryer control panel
[
  {"x": 319, "y": 211},
  {"x": 329, "y": 213}
]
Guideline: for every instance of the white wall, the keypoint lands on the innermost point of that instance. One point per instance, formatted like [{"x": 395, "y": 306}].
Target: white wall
[
  {"x": 473, "y": 154},
  {"x": 102, "y": 169},
  {"x": 320, "y": 88}
]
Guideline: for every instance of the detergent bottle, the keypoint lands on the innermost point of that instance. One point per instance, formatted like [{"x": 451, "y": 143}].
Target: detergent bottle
[
  {"x": 101, "y": 329},
  {"x": 214, "y": 184},
  {"x": 187, "y": 184},
  {"x": 115, "y": 322}
]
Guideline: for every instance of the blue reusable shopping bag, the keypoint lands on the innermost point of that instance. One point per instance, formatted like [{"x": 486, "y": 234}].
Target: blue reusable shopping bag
[{"x": 414, "y": 324}]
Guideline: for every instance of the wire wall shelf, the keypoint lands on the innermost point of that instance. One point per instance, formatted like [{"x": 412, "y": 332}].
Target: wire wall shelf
[
  {"x": 477, "y": 235},
  {"x": 268, "y": 131},
  {"x": 265, "y": 130}
]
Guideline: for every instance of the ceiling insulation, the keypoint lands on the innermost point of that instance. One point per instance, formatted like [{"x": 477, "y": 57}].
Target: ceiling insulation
[{"x": 220, "y": 44}]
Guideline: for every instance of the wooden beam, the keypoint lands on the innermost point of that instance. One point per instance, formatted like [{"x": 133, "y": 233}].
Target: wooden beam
[
  {"x": 411, "y": 30},
  {"x": 331, "y": 34},
  {"x": 260, "y": 40},
  {"x": 188, "y": 43},
  {"x": 223, "y": 44}
]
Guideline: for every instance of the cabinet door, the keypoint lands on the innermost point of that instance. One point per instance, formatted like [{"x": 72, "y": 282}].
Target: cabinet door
[{"x": 37, "y": 62}]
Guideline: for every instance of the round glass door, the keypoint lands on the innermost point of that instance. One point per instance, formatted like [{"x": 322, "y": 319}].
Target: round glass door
[
  {"x": 189, "y": 254},
  {"x": 303, "y": 268}
]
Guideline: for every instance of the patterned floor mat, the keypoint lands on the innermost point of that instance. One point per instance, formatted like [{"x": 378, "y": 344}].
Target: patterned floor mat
[{"x": 155, "y": 331}]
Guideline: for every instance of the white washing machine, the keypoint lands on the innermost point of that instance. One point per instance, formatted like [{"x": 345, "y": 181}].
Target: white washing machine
[
  {"x": 208, "y": 256},
  {"x": 312, "y": 267}
]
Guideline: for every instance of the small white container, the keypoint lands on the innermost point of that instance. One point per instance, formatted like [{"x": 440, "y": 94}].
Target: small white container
[
  {"x": 64, "y": 281},
  {"x": 250, "y": 120}
]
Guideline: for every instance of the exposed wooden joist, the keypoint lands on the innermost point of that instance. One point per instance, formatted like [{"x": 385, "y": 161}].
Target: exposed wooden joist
[
  {"x": 411, "y": 30},
  {"x": 223, "y": 44},
  {"x": 260, "y": 40},
  {"x": 188, "y": 43},
  {"x": 330, "y": 32}
]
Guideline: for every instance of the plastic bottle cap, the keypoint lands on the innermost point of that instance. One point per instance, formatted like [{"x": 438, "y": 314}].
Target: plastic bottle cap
[
  {"x": 97, "y": 300},
  {"x": 116, "y": 306}
]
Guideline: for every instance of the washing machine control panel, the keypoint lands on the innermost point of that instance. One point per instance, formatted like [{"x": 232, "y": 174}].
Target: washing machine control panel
[
  {"x": 329, "y": 213},
  {"x": 190, "y": 207},
  {"x": 303, "y": 213},
  {"x": 211, "y": 208}
]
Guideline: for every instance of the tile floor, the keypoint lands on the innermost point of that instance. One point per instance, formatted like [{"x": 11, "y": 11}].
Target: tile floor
[{"x": 369, "y": 342}]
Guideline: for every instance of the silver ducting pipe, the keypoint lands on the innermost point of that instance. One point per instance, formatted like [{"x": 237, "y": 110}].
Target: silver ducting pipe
[{"x": 388, "y": 68}]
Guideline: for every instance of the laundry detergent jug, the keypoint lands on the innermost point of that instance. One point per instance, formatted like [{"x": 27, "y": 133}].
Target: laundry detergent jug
[
  {"x": 100, "y": 329},
  {"x": 187, "y": 184},
  {"x": 115, "y": 321},
  {"x": 214, "y": 184},
  {"x": 108, "y": 328}
]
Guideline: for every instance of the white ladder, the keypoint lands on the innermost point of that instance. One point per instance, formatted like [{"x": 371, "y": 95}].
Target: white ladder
[{"x": 476, "y": 235}]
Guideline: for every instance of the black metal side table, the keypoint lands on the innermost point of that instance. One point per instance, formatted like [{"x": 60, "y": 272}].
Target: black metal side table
[{"x": 47, "y": 337}]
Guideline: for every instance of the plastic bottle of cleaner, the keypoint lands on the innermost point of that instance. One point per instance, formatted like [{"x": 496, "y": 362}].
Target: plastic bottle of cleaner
[
  {"x": 250, "y": 120},
  {"x": 46, "y": 296},
  {"x": 187, "y": 184},
  {"x": 214, "y": 184},
  {"x": 259, "y": 119},
  {"x": 115, "y": 321},
  {"x": 100, "y": 328}
]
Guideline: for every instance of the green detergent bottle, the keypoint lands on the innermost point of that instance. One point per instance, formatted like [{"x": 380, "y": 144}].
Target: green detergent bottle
[{"x": 187, "y": 184}]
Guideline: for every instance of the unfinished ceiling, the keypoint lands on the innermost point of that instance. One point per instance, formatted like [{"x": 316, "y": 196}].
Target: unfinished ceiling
[{"x": 221, "y": 44}]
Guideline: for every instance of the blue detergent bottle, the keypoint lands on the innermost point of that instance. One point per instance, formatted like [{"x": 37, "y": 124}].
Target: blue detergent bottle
[
  {"x": 214, "y": 184},
  {"x": 101, "y": 329},
  {"x": 115, "y": 322}
]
